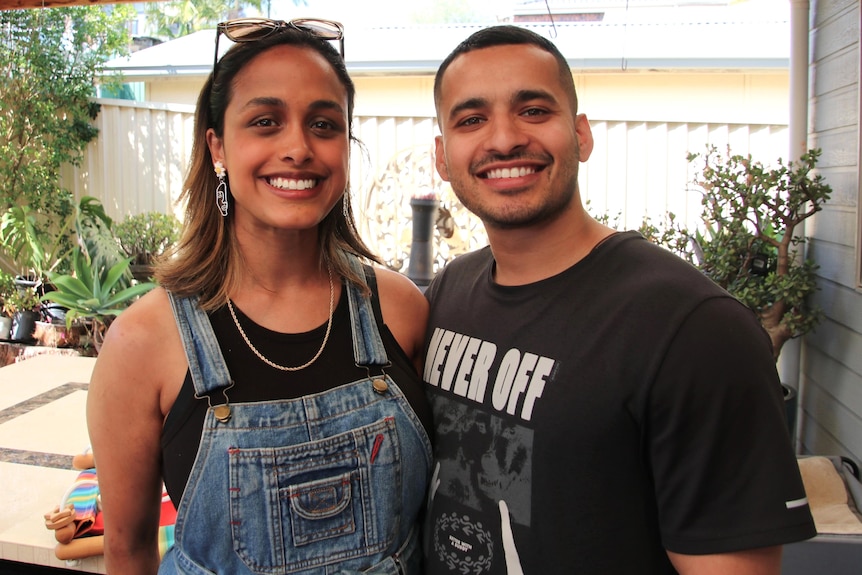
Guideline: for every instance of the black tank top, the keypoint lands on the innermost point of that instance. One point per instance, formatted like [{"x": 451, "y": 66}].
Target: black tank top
[{"x": 256, "y": 381}]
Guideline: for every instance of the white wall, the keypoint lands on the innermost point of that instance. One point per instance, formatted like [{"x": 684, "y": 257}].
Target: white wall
[
  {"x": 726, "y": 97},
  {"x": 730, "y": 97},
  {"x": 175, "y": 90}
]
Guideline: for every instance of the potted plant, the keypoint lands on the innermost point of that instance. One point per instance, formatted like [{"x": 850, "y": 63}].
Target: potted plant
[
  {"x": 145, "y": 237},
  {"x": 748, "y": 240},
  {"x": 7, "y": 287},
  {"x": 23, "y": 305},
  {"x": 94, "y": 295},
  {"x": 36, "y": 242}
]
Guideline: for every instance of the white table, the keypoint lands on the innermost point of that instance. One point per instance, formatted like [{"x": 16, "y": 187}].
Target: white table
[{"x": 42, "y": 425}]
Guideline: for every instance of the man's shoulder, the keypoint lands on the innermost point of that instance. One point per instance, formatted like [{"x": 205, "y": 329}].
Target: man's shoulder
[
  {"x": 651, "y": 266},
  {"x": 465, "y": 268},
  {"x": 470, "y": 260}
]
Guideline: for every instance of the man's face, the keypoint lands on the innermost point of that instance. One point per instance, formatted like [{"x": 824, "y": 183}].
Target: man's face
[{"x": 510, "y": 143}]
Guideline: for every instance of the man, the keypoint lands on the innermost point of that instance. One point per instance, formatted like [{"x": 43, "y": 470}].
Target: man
[{"x": 603, "y": 408}]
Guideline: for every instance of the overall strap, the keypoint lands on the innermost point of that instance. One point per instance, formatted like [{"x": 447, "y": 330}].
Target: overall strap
[
  {"x": 368, "y": 347},
  {"x": 206, "y": 363}
]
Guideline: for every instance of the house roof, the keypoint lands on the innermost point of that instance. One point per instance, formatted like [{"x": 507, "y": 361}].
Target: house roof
[{"x": 613, "y": 44}]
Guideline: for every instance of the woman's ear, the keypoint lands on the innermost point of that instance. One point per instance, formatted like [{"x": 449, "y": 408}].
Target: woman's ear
[{"x": 216, "y": 146}]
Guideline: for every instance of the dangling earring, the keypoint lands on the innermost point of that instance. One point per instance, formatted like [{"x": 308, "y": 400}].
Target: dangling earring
[
  {"x": 221, "y": 189},
  {"x": 345, "y": 207}
]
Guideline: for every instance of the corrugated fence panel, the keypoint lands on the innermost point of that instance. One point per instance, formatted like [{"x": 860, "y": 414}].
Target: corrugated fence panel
[
  {"x": 637, "y": 169},
  {"x": 139, "y": 161},
  {"x": 640, "y": 169}
]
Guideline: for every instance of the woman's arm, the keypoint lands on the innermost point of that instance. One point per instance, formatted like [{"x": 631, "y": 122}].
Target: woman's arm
[{"x": 134, "y": 383}]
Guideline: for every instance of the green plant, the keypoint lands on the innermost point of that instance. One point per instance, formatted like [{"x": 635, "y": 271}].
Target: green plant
[
  {"x": 48, "y": 62},
  {"x": 7, "y": 288},
  {"x": 747, "y": 239},
  {"x": 180, "y": 17},
  {"x": 49, "y": 59},
  {"x": 37, "y": 243},
  {"x": 94, "y": 293},
  {"x": 21, "y": 299},
  {"x": 15, "y": 298},
  {"x": 147, "y": 235}
]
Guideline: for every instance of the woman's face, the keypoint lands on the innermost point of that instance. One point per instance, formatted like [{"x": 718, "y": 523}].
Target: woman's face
[{"x": 286, "y": 142}]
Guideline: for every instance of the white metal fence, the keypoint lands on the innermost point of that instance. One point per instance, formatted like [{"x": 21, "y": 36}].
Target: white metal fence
[{"x": 139, "y": 161}]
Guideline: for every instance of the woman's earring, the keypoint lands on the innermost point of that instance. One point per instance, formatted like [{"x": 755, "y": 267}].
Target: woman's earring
[
  {"x": 345, "y": 207},
  {"x": 221, "y": 188}
]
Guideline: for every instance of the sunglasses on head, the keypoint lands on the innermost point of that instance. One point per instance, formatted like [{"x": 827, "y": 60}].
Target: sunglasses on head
[{"x": 254, "y": 29}]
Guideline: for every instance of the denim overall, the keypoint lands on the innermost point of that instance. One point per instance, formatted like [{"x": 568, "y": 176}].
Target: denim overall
[{"x": 324, "y": 484}]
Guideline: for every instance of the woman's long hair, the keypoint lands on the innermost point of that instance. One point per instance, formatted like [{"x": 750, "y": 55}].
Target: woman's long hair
[{"x": 206, "y": 260}]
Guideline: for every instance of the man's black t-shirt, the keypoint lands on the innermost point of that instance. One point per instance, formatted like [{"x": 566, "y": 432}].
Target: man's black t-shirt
[{"x": 590, "y": 421}]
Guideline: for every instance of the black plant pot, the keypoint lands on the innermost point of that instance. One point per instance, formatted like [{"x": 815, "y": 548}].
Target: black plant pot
[
  {"x": 24, "y": 325},
  {"x": 420, "y": 268}
]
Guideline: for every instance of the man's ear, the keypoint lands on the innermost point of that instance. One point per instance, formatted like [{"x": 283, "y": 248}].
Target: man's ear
[
  {"x": 440, "y": 158},
  {"x": 585, "y": 137},
  {"x": 215, "y": 144}
]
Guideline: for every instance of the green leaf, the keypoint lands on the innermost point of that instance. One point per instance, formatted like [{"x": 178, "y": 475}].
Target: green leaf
[
  {"x": 115, "y": 274},
  {"x": 71, "y": 285},
  {"x": 65, "y": 300},
  {"x": 130, "y": 293}
]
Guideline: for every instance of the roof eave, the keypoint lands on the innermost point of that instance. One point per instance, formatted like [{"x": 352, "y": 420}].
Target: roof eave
[{"x": 429, "y": 67}]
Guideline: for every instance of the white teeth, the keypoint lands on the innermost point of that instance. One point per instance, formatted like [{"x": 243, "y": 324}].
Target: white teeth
[
  {"x": 291, "y": 184},
  {"x": 509, "y": 173}
]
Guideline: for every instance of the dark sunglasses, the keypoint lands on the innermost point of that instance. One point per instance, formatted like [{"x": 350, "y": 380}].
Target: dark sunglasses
[{"x": 254, "y": 29}]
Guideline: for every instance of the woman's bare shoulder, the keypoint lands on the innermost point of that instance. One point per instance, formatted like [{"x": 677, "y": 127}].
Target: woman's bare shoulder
[
  {"x": 398, "y": 286},
  {"x": 143, "y": 350},
  {"x": 148, "y": 323}
]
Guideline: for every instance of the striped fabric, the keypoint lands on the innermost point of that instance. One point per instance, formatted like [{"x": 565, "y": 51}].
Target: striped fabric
[{"x": 84, "y": 495}]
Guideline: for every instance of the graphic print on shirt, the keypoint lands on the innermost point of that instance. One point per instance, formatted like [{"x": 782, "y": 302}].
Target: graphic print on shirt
[{"x": 482, "y": 407}]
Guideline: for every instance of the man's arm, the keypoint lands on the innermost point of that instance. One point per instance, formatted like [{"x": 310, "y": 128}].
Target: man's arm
[{"x": 763, "y": 561}]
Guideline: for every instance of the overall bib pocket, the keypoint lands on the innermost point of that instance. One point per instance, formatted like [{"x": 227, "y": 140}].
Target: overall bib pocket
[{"x": 317, "y": 499}]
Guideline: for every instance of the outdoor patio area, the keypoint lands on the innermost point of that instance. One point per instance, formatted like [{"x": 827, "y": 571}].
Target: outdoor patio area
[{"x": 42, "y": 426}]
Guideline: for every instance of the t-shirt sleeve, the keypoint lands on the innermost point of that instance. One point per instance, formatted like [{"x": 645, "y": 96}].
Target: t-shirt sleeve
[{"x": 725, "y": 474}]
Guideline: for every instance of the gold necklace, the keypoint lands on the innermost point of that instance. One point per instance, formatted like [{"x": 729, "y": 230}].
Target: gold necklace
[{"x": 322, "y": 345}]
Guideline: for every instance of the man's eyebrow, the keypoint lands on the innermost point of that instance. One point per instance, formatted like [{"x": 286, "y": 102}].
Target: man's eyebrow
[
  {"x": 522, "y": 96},
  {"x": 468, "y": 104},
  {"x": 519, "y": 97}
]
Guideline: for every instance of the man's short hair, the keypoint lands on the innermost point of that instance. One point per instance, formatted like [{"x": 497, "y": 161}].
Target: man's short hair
[{"x": 503, "y": 36}]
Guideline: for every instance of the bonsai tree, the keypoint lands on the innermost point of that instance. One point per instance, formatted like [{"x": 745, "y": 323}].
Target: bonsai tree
[
  {"x": 147, "y": 236},
  {"x": 748, "y": 239}
]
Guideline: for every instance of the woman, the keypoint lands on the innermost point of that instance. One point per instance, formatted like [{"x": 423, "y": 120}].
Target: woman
[{"x": 271, "y": 380}]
